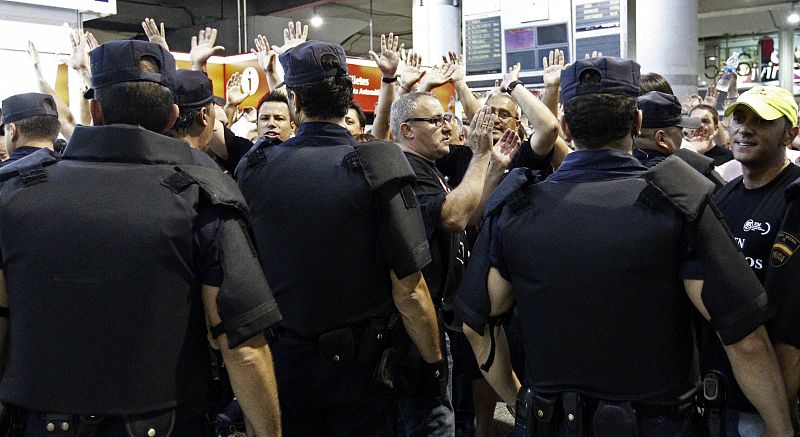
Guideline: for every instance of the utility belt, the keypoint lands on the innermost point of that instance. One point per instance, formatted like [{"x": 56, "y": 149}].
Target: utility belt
[
  {"x": 380, "y": 342},
  {"x": 578, "y": 415},
  {"x": 19, "y": 422}
]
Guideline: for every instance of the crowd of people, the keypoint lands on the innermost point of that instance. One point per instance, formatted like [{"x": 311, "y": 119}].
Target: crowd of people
[{"x": 605, "y": 258}]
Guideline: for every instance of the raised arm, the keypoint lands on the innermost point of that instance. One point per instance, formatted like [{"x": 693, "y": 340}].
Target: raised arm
[
  {"x": 387, "y": 62},
  {"x": 544, "y": 123},
  {"x": 408, "y": 72},
  {"x": 65, "y": 116},
  {"x": 459, "y": 81},
  {"x": 553, "y": 64},
  {"x": 155, "y": 34},
  {"x": 203, "y": 48},
  {"x": 460, "y": 205},
  {"x": 234, "y": 96},
  {"x": 268, "y": 60},
  {"x": 503, "y": 152}
]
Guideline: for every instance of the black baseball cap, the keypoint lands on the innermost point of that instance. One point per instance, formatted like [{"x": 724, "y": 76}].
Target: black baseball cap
[
  {"x": 22, "y": 106},
  {"x": 663, "y": 110},
  {"x": 193, "y": 89},
  {"x": 617, "y": 76},
  {"x": 118, "y": 61},
  {"x": 302, "y": 64}
]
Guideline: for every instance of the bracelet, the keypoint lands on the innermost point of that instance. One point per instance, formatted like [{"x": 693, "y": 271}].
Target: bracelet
[{"x": 389, "y": 79}]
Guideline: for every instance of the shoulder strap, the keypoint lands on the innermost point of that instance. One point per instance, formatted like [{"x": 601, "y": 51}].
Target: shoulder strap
[
  {"x": 217, "y": 187},
  {"x": 382, "y": 163},
  {"x": 30, "y": 168},
  {"x": 702, "y": 164},
  {"x": 685, "y": 188},
  {"x": 509, "y": 191}
]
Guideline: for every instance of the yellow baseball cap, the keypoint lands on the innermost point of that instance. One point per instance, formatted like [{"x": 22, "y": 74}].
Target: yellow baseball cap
[{"x": 769, "y": 102}]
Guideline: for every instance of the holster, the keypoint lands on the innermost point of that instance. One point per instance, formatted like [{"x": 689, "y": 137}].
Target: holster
[
  {"x": 614, "y": 419},
  {"x": 523, "y": 422},
  {"x": 714, "y": 403},
  {"x": 393, "y": 348}
]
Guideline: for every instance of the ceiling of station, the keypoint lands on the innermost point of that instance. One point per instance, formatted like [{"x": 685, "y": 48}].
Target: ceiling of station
[{"x": 347, "y": 22}]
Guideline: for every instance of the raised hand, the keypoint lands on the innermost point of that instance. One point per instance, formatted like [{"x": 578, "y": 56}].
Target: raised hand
[
  {"x": 389, "y": 59},
  {"x": 553, "y": 64},
  {"x": 91, "y": 41},
  {"x": 480, "y": 131},
  {"x": 203, "y": 48},
  {"x": 265, "y": 55},
  {"x": 34, "y": 55},
  {"x": 292, "y": 37},
  {"x": 457, "y": 61},
  {"x": 233, "y": 90},
  {"x": 437, "y": 76},
  {"x": 79, "y": 59},
  {"x": 504, "y": 150},
  {"x": 154, "y": 33},
  {"x": 408, "y": 71},
  {"x": 702, "y": 139},
  {"x": 511, "y": 76},
  {"x": 595, "y": 54},
  {"x": 712, "y": 94}
]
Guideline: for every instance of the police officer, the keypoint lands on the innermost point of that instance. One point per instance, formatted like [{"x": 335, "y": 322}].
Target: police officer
[
  {"x": 137, "y": 251},
  {"x": 194, "y": 95},
  {"x": 342, "y": 243},
  {"x": 30, "y": 123},
  {"x": 756, "y": 207},
  {"x": 605, "y": 261}
]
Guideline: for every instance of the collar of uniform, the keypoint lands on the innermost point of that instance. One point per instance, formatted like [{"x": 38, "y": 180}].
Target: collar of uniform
[
  {"x": 597, "y": 164},
  {"x": 324, "y": 129},
  {"x": 126, "y": 143},
  {"x": 22, "y": 151},
  {"x": 644, "y": 155}
]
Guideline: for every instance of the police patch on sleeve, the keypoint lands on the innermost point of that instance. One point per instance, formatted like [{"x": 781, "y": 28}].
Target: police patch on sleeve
[{"x": 785, "y": 246}]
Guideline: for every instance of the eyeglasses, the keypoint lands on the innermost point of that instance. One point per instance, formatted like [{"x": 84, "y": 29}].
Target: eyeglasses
[
  {"x": 438, "y": 120},
  {"x": 503, "y": 114}
]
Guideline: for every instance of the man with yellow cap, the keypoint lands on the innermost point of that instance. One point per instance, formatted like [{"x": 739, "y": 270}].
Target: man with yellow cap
[{"x": 758, "y": 208}]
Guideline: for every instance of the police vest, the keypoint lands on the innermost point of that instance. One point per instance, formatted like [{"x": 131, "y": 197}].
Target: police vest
[
  {"x": 106, "y": 316},
  {"x": 595, "y": 273},
  {"x": 316, "y": 214}
]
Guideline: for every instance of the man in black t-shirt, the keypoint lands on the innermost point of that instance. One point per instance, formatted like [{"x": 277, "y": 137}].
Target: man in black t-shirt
[
  {"x": 422, "y": 128},
  {"x": 764, "y": 122}
]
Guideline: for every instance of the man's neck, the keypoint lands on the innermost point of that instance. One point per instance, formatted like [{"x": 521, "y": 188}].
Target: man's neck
[
  {"x": 194, "y": 142},
  {"x": 40, "y": 144},
  {"x": 408, "y": 149},
  {"x": 757, "y": 177}
]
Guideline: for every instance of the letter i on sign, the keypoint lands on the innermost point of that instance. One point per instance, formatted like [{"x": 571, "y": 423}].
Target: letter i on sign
[{"x": 249, "y": 81}]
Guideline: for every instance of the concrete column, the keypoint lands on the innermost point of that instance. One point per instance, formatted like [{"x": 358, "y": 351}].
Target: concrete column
[
  {"x": 437, "y": 28},
  {"x": 786, "y": 61},
  {"x": 666, "y": 42}
]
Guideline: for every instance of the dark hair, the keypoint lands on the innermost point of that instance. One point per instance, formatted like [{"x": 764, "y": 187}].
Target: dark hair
[
  {"x": 273, "y": 96},
  {"x": 363, "y": 138},
  {"x": 328, "y": 98},
  {"x": 187, "y": 119},
  {"x": 708, "y": 108},
  {"x": 147, "y": 104},
  {"x": 654, "y": 82},
  {"x": 362, "y": 118},
  {"x": 59, "y": 145},
  {"x": 42, "y": 127},
  {"x": 595, "y": 120}
]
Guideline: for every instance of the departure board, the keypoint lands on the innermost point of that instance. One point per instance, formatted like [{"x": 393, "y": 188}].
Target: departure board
[
  {"x": 597, "y": 15},
  {"x": 483, "y": 45}
]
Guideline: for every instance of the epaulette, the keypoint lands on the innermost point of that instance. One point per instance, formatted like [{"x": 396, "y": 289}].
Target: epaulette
[
  {"x": 682, "y": 185},
  {"x": 382, "y": 162},
  {"x": 31, "y": 167},
  {"x": 218, "y": 188},
  {"x": 509, "y": 191}
]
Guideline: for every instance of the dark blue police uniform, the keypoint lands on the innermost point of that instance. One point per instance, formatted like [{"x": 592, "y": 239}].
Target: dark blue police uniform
[
  {"x": 327, "y": 243},
  {"x": 19, "y": 153},
  {"x": 129, "y": 291}
]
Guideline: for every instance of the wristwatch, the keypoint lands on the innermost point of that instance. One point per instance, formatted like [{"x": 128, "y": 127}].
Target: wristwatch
[
  {"x": 389, "y": 79},
  {"x": 511, "y": 86}
]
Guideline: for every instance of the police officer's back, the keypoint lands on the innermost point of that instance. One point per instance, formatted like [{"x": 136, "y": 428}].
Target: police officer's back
[
  {"x": 114, "y": 258},
  {"x": 336, "y": 224},
  {"x": 604, "y": 261}
]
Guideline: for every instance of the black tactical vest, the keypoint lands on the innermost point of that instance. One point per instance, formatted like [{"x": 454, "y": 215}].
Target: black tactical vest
[
  {"x": 595, "y": 268},
  {"x": 316, "y": 226},
  {"x": 98, "y": 253}
]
